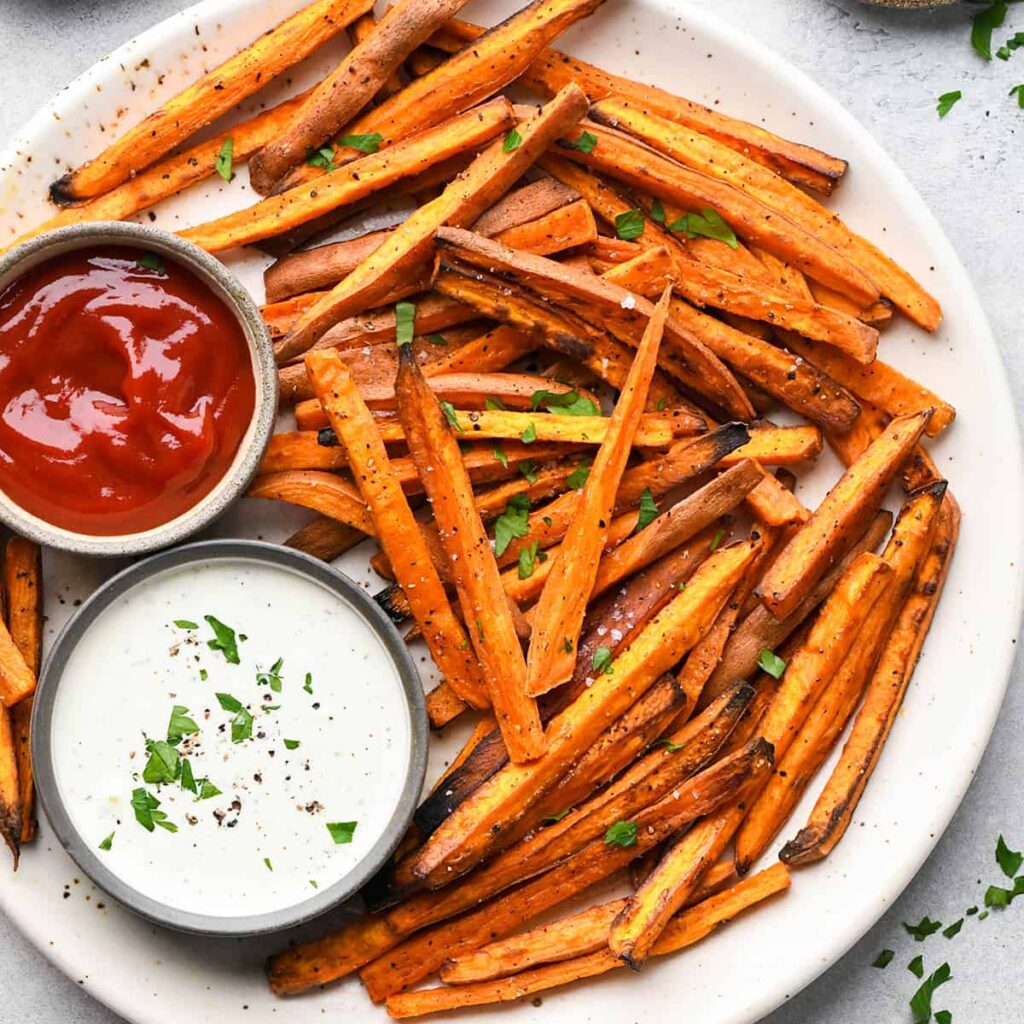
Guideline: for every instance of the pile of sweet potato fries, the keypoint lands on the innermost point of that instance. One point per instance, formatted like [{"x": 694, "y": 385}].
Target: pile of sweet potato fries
[{"x": 651, "y": 695}]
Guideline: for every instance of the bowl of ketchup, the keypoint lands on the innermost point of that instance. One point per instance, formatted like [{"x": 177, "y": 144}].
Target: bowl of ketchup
[{"x": 137, "y": 388}]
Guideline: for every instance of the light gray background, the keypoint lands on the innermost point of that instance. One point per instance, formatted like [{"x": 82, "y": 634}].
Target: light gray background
[{"x": 887, "y": 67}]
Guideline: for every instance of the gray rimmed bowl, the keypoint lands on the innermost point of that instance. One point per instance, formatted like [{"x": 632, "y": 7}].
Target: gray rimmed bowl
[
  {"x": 226, "y": 287},
  {"x": 83, "y": 851}
]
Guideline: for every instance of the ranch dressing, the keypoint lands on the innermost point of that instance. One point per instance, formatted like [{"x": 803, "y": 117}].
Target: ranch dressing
[{"x": 263, "y": 843}]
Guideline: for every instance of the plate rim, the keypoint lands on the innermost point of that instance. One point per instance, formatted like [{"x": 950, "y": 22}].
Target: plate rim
[{"x": 855, "y": 924}]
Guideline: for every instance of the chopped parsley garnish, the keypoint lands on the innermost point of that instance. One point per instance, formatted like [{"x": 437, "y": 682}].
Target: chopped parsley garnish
[
  {"x": 947, "y": 101},
  {"x": 187, "y": 779},
  {"x": 657, "y": 211},
  {"x": 554, "y": 819},
  {"x": 585, "y": 143},
  {"x": 768, "y": 661},
  {"x": 567, "y": 645},
  {"x": 1018, "y": 91},
  {"x": 716, "y": 540},
  {"x": 479, "y": 629},
  {"x": 953, "y": 929},
  {"x": 322, "y": 158},
  {"x": 1015, "y": 42},
  {"x": 223, "y": 163},
  {"x": 207, "y": 789},
  {"x": 108, "y": 842},
  {"x": 180, "y": 725},
  {"x": 145, "y": 805},
  {"x": 405, "y": 320},
  {"x": 224, "y": 640},
  {"x": 494, "y": 404},
  {"x": 648, "y": 511},
  {"x": 662, "y": 402},
  {"x": 272, "y": 677},
  {"x": 669, "y": 745},
  {"x": 1007, "y": 859},
  {"x": 499, "y": 454},
  {"x": 706, "y": 224},
  {"x": 622, "y": 833},
  {"x": 916, "y": 966},
  {"x": 921, "y": 1002},
  {"x": 150, "y": 261},
  {"x": 364, "y": 143},
  {"x": 312, "y": 882},
  {"x": 308, "y": 684},
  {"x": 241, "y": 726},
  {"x": 449, "y": 414},
  {"x": 566, "y": 403},
  {"x": 186, "y": 624},
  {"x": 528, "y": 559},
  {"x": 943, "y": 1017},
  {"x": 602, "y": 661},
  {"x": 547, "y": 521},
  {"x": 269, "y": 866},
  {"x": 529, "y": 435},
  {"x": 925, "y": 927},
  {"x": 883, "y": 959},
  {"x": 578, "y": 477},
  {"x": 629, "y": 225},
  {"x": 437, "y": 339},
  {"x": 982, "y": 26},
  {"x": 512, "y": 523},
  {"x": 342, "y": 831},
  {"x": 529, "y": 470},
  {"x": 164, "y": 764},
  {"x": 229, "y": 703},
  {"x": 513, "y": 140},
  {"x": 291, "y": 744},
  {"x": 203, "y": 674}
]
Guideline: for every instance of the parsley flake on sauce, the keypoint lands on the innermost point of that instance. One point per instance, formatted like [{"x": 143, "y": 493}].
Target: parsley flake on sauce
[
  {"x": 164, "y": 764},
  {"x": 224, "y": 640},
  {"x": 145, "y": 805},
  {"x": 107, "y": 843},
  {"x": 342, "y": 831},
  {"x": 291, "y": 744},
  {"x": 186, "y": 624},
  {"x": 272, "y": 677},
  {"x": 180, "y": 724},
  {"x": 308, "y": 684},
  {"x": 241, "y": 726}
]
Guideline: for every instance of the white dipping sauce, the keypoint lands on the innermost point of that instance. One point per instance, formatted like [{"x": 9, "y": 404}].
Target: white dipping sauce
[{"x": 263, "y": 844}]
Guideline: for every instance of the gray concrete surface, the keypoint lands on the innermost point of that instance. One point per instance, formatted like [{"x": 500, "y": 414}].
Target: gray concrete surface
[{"x": 887, "y": 67}]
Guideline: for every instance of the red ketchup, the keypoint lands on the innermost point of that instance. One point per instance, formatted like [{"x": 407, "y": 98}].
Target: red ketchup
[{"x": 126, "y": 388}]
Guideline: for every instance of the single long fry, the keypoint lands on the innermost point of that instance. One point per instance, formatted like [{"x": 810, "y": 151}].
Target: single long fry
[
  {"x": 477, "y": 581},
  {"x": 906, "y": 548},
  {"x": 322, "y": 492},
  {"x": 213, "y": 94},
  {"x": 615, "y": 309},
  {"x": 487, "y": 178},
  {"x": 795, "y": 161},
  {"x": 23, "y": 578},
  {"x": 522, "y": 205},
  {"x": 400, "y": 534},
  {"x": 843, "y": 514},
  {"x": 834, "y": 808},
  {"x": 10, "y": 794},
  {"x": 705, "y": 155},
  {"x": 625, "y": 159},
  {"x": 352, "y": 182},
  {"x": 563, "y": 601},
  {"x": 17, "y": 680},
  {"x": 475, "y": 827},
  {"x": 341, "y": 95}
]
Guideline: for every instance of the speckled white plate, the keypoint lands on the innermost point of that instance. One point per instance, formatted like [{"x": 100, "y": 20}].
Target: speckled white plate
[{"x": 747, "y": 969}]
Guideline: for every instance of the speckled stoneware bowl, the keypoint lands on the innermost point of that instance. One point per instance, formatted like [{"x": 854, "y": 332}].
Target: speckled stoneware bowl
[
  {"x": 225, "y": 286},
  {"x": 83, "y": 849}
]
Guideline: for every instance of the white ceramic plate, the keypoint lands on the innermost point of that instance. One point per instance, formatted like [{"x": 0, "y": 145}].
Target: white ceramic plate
[{"x": 747, "y": 969}]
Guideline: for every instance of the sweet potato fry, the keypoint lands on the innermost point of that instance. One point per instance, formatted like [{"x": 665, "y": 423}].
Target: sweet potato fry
[
  {"x": 350, "y": 86},
  {"x": 10, "y": 793},
  {"x": 706, "y": 156},
  {"x": 426, "y": 951},
  {"x": 834, "y": 809},
  {"x": 486, "y": 179},
  {"x": 777, "y": 446},
  {"x": 213, "y": 94},
  {"x": 684, "y": 930},
  {"x": 906, "y": 548},
  {"x": 477, "y": 825},
  {"x": 880, "y": 384},
  {"x": 626, "y": 159},
  {"x": 17, "y": 680},
  {"x": 400, "y": 537},
  {"x": 443, "y": 706},
  {"x": 795, "y": 161},
  {"x": 173, "y": 174},
  {"x": 842, "y": 515},
  {"x": 760, "y": 629},
  {"x": 557, "y": 231},
  {"x": 878, "y": 314},
  {"x": 522, "y": 205},
  {"x": 563, "y": 601},
  {"x": 325, "y": 538},
  {"x": 615, "y": 309},
  {"x": 351, "y": 182},
  {"x": 23, "y": 578},
  {"x": 478, "y": 583},
  {"x": 322, "y": 492},
  {"x": 496, "y": 350},
  {"x": 359, "y": 31},
  {"x": 776, "y": 505},
  {"x": 321, "y": 267}
]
